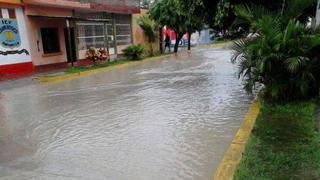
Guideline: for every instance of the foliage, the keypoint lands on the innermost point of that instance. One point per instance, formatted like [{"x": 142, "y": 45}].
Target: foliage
[
  {"x": 134, "y": 52},
  {"x": 225, "y": 14},
  {"x": 182, "y": 16},
  {"x": 282, "y": 54},
  {"x": 166, "y": 13},
  {"x": 205, "y": 10},
  {"x": 224, "y": 17},
  {"x": 195, "y": 21},
  {"x": 97, "y": 55},
  {"x": 284, "y": 144},
  {"x": 149, "y": 30}
]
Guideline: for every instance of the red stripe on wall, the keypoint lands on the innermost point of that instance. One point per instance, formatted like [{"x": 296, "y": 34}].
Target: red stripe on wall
[{"x": 16, "y": 69}]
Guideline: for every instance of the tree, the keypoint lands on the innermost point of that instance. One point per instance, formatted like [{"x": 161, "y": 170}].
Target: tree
[
  {"x": 203, "y": 9},
  {"x": 149, "y": 30},
  {"x": 192, "y": 25},
  {"x": 195, "y": 20},
  {"x": 226, "y": 14},
  {"x": 166, "y": 13},
  {"x": 282, "y": 54}
]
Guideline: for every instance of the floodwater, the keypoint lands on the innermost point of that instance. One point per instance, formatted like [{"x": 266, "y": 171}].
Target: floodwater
[{"x": 169, "y": 119}]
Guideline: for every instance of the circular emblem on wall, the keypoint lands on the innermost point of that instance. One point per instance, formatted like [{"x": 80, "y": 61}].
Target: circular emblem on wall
[{"x": 9, "y": 33}]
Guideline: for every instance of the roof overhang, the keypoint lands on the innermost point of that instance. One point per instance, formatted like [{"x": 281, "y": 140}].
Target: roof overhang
[
  {"x": 11, "y": 4},
  {"x": 116, "y": 9},
  {"x": 66, "y": 4}
]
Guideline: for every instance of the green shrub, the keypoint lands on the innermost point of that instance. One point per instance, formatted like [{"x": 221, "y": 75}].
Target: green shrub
[
  {"x": 149, "y": 30},
  {"x": 134, "y": 52},
  {"x": 282, "y": 53}
]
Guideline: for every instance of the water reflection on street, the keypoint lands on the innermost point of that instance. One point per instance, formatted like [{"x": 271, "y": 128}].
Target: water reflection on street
[{"x": 167, "y": 119}]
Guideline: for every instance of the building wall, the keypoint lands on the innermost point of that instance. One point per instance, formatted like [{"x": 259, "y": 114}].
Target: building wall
[
  {"x": 46, "y": 17},
  {"x": 38, "y": 57},
  {"x": 17, "y": 62},
  {"x": 138, "y": 34},
  {"x": 126, "y": 3},
  {"x": 34, "y": 10}
]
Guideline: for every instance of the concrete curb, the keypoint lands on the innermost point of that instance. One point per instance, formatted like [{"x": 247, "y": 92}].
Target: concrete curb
[
  {"x": 59, "y": 78},
  {"x": 233, "y": 155}
]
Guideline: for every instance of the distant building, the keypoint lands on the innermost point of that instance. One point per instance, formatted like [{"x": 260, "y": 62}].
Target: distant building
[
  {"x": 52, "y": 33},
  {"x": 318, "y": 14}
]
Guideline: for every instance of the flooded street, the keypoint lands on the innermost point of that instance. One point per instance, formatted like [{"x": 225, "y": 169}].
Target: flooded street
[{"x": 164, "y": 119}]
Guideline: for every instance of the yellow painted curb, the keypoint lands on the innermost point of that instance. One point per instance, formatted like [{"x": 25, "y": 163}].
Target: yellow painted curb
[
  {"x": 218, "y": 44},
  {"x": 233, "y": 155},
  {"x": 59, "y": 78}
]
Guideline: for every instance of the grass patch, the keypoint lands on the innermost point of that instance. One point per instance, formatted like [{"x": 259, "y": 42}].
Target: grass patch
[
  {"x": 75, "y": 69},
  {"x": 71, "y": 70},
  {"x": 284, "y": 144}
]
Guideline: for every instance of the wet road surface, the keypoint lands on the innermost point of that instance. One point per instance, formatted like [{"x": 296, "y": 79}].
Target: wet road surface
[{"x": 167, "y": 119}]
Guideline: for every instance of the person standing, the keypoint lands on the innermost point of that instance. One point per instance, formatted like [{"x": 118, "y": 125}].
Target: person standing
[{"x": 167, "y": 41}]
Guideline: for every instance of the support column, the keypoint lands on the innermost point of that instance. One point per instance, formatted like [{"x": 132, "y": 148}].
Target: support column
[
  {"x": 69, "y": 45},
  {"x": 106, "y": 36},
  {"x": 114, "y": 32},
  {"x": 75, "y": 34}
]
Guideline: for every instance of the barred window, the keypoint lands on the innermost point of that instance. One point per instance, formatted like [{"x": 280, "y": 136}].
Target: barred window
[
  {"x": 123, "y": 29},
  {"x": 90, "y": 35}
]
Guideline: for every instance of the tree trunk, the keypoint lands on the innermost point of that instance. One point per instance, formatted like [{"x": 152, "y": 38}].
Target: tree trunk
[
  {"x": 151, "y": 49},
  {"x": 161, "y": 40},
  {"x": 189, "y": 41},
  {"x": 176, "y": 45}
]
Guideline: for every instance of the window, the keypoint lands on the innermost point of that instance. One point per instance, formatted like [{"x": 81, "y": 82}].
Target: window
[
  {"x": 12, "y": 13},
  {"x": 123, "y": 29},
  {"x": 7, "y": 13},
  {"x": 123, "y": 34},
  {"x": 50, "y": 40},
  {"x": 90, "y": 35}
]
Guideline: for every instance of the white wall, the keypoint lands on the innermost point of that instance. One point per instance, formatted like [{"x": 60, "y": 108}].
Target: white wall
[{"x": 18, "y": 58}]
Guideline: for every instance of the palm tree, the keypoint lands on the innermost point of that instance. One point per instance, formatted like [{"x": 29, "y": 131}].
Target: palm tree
[{"x": 282, "y": 52}]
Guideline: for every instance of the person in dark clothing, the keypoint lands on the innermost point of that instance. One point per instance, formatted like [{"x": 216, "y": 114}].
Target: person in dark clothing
[{"x": 167, "y": 43}]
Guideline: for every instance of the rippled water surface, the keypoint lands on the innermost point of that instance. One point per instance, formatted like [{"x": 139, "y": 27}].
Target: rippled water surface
[{"x": 167, "y": 119}]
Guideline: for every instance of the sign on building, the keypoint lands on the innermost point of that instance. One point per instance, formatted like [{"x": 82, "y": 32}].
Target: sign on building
[{"x": 9, "y": 33}]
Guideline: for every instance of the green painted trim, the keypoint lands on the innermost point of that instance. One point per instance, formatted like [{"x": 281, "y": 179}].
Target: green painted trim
[{"x": 233, "y": 155}]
